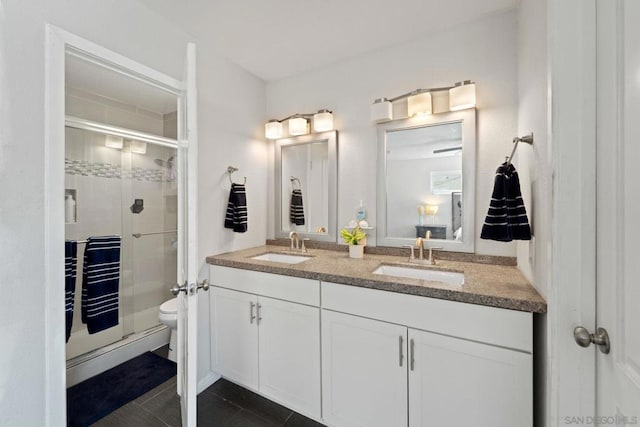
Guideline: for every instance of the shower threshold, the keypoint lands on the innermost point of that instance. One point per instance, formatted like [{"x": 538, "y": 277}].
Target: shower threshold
[{"x": 99, "y": 360}]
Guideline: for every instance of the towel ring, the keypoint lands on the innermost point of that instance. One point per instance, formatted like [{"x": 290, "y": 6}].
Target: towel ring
[
  {"x": 230, "y": 171},
  {"x": 293, "y": 180}
]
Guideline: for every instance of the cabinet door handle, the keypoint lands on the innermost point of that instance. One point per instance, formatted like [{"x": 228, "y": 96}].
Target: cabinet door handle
[
  {"x": 259, "y": 313},
  {"x": 412, "y": 361},
  {"x": 401, "y": 345},
  {"x": 252, "y": 316}
]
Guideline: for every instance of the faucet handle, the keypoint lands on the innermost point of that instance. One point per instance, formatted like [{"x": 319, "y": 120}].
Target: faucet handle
[
  {"x": 304, "y": 249},
  {"x": 413, "y": 256}
]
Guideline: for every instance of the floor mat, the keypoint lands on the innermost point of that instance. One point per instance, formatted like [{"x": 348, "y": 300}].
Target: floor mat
[{"x": 97, "y": 397}]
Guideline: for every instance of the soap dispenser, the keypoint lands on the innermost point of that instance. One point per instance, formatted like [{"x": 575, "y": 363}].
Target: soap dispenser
[{"x": 361, "y": 212}]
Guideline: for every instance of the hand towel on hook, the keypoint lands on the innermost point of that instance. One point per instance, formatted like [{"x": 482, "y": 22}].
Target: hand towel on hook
[
  {"x": 236, "y": 217},
  {"x": 507, "y": 217}
]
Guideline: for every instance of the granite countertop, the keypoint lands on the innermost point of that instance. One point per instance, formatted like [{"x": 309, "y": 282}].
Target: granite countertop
[{"x": 491, "y": 285}]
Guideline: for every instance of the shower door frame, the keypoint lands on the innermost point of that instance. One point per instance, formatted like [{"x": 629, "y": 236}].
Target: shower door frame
[{"x": 58, "y": 44}]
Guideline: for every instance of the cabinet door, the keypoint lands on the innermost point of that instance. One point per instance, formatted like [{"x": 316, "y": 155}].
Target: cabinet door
[
  {"x": 234, "y": 343},
  {"x": 289, "y": 336},
  {"x": 364, "y": 372},
  {"x": 455, "y": 382}
]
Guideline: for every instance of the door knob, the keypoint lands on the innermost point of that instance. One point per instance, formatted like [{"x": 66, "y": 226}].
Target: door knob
[
  {"x": 177, "y": 288},
  {"x": 600, "y": 338},
  {"x": 204, "y": 285}
]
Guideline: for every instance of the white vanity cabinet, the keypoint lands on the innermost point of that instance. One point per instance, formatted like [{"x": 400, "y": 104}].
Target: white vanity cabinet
[
  {"x": 387, "y": 372},
  {"x": 456, "y": 382},
  {"x": 270, "y": 345},
  {"x": 364, "y": 373}
]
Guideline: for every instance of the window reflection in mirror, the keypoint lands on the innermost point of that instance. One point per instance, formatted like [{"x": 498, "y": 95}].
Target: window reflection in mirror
[
  {"x": 306, "y": 186},
  {"x": 426, "y": 180}
]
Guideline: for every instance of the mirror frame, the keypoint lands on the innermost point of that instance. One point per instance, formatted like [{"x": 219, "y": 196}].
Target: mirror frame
[
  {"x": 331, "y": 138},
  {"x": 468, "y": 120}
]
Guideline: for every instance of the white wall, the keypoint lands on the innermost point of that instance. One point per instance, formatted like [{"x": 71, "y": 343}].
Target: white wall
[
  {"x": 483, "y": 50},
  {"x": 231, "y": 111},
  {"x": 534, "y": 165}
]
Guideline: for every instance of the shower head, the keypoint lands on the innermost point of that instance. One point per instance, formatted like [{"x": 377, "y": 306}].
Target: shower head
[{"x": 165, "y": 163}]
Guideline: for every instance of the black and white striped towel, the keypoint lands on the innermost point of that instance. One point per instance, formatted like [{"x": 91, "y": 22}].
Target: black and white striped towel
[
  {"x": 70, "y": 267},
  {"x": 507, "y": 216},
  {"x": 100, "y": 283},
  {"x": 236, "y": 218},
  {"x": 297, "y": 207}
]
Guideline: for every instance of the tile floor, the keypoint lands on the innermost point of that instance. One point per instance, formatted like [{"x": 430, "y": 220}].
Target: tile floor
[{"x": 222, "y": 404}]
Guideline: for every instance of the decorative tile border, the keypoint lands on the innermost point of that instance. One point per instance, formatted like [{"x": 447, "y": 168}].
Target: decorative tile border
[{"x": 107, "y": 170}]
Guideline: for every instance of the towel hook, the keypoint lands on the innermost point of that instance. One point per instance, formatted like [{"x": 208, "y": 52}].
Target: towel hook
[
  {"x": 230, "y": 171},
  {"x": 527, "y": 139},
  {"x": 293, "y": 180}
]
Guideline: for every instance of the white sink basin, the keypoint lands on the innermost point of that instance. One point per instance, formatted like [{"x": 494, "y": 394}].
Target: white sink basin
[
  {"x": 448, "y": 277},
  {"x": 283, "y": 258}
]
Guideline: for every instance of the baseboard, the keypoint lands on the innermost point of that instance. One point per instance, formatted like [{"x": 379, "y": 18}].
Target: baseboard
[{"x": 205, "y": 382}]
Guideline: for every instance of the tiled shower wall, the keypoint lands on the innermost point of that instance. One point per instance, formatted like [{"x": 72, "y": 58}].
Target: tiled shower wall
[{"x": 107, "y": 181}]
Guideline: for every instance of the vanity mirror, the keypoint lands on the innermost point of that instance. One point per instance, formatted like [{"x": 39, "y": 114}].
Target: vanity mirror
[
  {"x": 426, "y": 180},
  {"x": 306, "y": 186}
]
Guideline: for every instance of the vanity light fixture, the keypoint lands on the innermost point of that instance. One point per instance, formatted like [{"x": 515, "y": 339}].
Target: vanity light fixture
[
  {"x": 273, "y": 129},
  {"x": 419, "y": 104},
  {"x": 299, "y": 124},
  {"x": 461, "y": 96}
]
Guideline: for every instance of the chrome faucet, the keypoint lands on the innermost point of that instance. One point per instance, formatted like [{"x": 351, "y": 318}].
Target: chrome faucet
[
  {"x": 293, "y": 236},
  {"x": 421, "y": 259}
]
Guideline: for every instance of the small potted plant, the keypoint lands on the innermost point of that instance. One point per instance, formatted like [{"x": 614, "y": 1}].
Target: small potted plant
[{"x": 355, "y": 239}]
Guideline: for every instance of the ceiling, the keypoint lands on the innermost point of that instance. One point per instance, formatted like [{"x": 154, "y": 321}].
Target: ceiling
[
  {"x": 274, "y": 39},
  {"x": 97, "y": 80}
]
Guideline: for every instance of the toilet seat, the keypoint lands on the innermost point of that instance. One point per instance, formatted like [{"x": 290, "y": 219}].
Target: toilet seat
[{"x": 169, "y": 307}]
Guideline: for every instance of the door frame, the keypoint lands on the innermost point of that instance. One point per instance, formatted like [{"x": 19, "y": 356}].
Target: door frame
[
  {"x": 570, "y": 370},
  {"x": 57, "y": 43}
]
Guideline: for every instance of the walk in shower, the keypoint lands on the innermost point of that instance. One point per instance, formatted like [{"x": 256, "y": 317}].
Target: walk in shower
[{"x": 117, "y": 185}]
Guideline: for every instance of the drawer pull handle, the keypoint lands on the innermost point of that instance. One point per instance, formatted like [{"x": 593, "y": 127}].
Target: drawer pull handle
[
  {"x": 400, "y": 345},
  {"x": 252, "y": 316},
  {"x": 259, "y": 313},
  {"x": 412, "y": 362}
]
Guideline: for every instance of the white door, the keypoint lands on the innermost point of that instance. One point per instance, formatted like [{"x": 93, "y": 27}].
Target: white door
[
  {"x": 493, "y": 386},
  {"x": 364, "y": 372},
  {"x": 187, "y": 242},
  {"x": 289, "y": 337},
  {"x": 618, "y": 211},
  {"x": 234, "y": 340}
]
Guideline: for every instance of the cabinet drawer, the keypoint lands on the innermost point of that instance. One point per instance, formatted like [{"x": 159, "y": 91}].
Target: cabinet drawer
[
  {"x": 497, "y": 326},
  {"x": 295, "y": 289}
]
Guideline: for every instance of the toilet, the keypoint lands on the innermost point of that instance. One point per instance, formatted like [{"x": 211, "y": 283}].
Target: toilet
[{"x": 168, "y": 315}]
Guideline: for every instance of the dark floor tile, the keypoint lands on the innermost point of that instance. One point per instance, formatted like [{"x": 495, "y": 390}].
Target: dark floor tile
[
  {"x": 166, "y": 406},
  {"x": 169, "y": 384},
  {"x": 251, "y": 402},
  {"x": 162, "y": 351},
  {"x": 247, "y": 419},
  {"x": 297, "y": 420},
  {"x": 130, "y": 415},
  {"x": 214, "y": 411}
]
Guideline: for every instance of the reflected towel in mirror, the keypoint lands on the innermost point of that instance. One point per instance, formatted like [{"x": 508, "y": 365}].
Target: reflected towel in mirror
[{"x": 297, "y": 207}]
